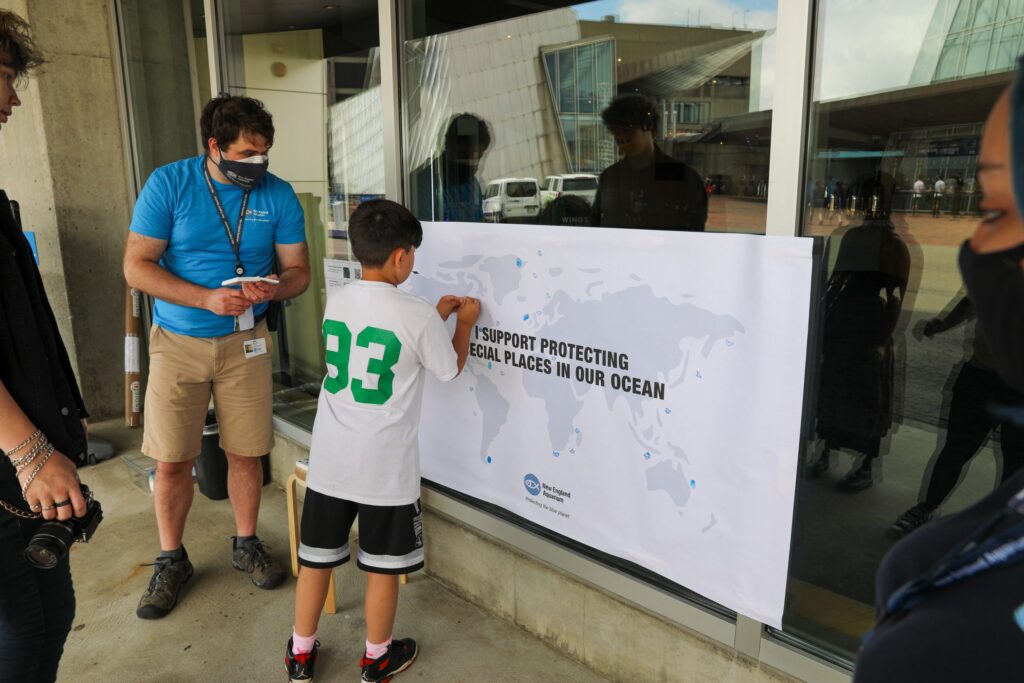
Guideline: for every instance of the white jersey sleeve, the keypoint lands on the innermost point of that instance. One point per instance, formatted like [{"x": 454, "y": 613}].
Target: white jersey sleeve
[{"x": 436, "y": 351}]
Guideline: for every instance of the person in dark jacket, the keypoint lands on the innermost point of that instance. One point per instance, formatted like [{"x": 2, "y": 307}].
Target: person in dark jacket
[
  {"x": 42, "y": 435},
  {"x": 863, "y": 303},
  {"x": 646, "y": 188}
]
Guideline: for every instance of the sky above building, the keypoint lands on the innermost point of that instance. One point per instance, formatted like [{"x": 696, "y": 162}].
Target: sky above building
[{"x": 864, "y": 46}]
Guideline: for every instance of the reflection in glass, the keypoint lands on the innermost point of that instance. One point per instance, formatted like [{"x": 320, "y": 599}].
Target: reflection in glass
[
  {"x": 899, "y": 415},
  {"x": 318, "y": 73},
  {"x": 540, "y": 79},
  {"x": 168, "y": 79}
]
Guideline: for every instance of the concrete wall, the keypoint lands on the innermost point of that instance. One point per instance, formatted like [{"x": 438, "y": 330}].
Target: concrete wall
[{"x": 62, "y": 157}]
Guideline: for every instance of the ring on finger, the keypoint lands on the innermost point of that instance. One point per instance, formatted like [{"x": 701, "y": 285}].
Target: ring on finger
[
  {"x": 35, "y": 508},
  {"x": 47, "y": 508},
  {"x": 63, "y": 503}
]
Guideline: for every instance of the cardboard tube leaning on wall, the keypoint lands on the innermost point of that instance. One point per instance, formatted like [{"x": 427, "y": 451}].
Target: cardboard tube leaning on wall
[{"x": 132, "y": 357}]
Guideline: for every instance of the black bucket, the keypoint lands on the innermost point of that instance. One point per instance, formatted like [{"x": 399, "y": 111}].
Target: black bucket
[{"x": 212, "y": 463}]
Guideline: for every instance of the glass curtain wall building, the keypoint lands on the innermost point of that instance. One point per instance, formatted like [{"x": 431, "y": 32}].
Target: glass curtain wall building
[{"x": 474, "y": 98}]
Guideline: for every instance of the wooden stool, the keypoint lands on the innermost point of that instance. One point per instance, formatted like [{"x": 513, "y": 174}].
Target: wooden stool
[{"x": 294, "y": 479}]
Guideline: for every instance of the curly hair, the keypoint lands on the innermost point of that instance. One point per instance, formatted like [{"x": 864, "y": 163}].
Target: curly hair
[
  {"x": 17, "y": 49},
  {"x": 226, "y": 117}
]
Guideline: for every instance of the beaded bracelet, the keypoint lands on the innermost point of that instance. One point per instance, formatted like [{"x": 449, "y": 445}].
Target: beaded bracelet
[
  {"x": 31, "y": 477},
  {"x": 24, "y": 443}
]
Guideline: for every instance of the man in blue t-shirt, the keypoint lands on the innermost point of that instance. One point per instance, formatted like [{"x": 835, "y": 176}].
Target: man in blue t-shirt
[{"x": 199, "y": 223}]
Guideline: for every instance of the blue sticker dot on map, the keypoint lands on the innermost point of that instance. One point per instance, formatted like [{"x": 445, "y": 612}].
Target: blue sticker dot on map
[
  {"x": 577, "y": 430},
  {"x": 488, "y": 460},
  {"x": 572, "y": 450},
  {"x": 668, "y": 411},
  {"x": 555, "y": 453},
  {"x": 490, "y": 365},
  {"x": 519, "y": 263},
  {"x": 526, "y": 316},
  {"x": 693, "y": 483},
  {"x": 647, "y": 455}
]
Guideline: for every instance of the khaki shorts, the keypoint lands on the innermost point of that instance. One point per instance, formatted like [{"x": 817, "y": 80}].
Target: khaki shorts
[{"x": 184, "y": 371}]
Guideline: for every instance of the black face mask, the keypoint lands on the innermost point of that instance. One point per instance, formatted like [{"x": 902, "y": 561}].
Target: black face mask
[
  {"x": 245, "y": 173},
  {"x": 995, "y": 285}
]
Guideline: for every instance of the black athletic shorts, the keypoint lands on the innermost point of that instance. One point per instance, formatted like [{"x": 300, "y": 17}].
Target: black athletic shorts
[{"x": 390, "y": 538}]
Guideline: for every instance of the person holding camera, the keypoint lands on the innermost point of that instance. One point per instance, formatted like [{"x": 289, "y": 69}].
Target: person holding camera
[{"x": 42, "y": 433}]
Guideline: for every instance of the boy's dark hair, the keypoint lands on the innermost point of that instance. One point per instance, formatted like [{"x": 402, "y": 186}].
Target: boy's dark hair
[
  {"x": 569, "y": 209},
  {"x": 17, "y": 49},
  {"x": 380, "y": 226},
  {"x": 633, "y": 109},
  {"x": 226, "y": 117}
]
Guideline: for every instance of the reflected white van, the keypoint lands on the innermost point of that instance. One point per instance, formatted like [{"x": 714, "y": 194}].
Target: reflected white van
[{"x": 512, "y": 199}]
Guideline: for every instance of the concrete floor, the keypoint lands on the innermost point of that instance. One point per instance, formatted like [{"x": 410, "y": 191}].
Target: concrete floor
[{"x": 224, "y": 629}]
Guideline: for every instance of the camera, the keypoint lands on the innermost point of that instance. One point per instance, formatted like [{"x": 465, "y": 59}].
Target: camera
[{"x": 53, "y": 539}]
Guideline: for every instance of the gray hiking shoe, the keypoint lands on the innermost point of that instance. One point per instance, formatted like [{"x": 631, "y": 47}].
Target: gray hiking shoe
[
  {"x": 253, "y": 558},
  {"x": 164, "y": 587}
]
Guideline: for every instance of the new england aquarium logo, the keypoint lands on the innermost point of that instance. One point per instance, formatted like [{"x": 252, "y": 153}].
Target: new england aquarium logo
[{"x": 532, "y": 484}]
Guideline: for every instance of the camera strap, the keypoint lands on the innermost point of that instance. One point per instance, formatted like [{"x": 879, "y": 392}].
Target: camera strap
[{"x": 18, "y": 512}]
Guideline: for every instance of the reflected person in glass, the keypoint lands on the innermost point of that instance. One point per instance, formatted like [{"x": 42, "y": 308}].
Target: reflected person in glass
[
  {"x": 646, "y": 188},
  {"x": 969, "y": 420},
  {"x": 863, "y": 303},
  {"x": 446, "y": 188}
]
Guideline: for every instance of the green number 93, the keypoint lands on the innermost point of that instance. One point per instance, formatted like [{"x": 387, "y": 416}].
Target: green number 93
[{"x": 338, "y": 345}]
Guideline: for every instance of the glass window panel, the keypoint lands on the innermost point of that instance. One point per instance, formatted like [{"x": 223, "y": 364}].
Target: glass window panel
[
  {"x": 949, "y": 60},
  {"x": 317, "y": 70},
  {"x": 586, "y": 102},
  {"x": 567, "y": 97},
  {"x": 533, "y": 115},
  {"x": 1005, "y": 55},
  {"x": 569, "y": 63},
  {"x": 1001, "y": 10},
  {"x": 977, "y": 52},
  {"x": 963, "y": 17},
  {"x": 886, "y": 125},
  {"x": 166, "y": 57},
  {"x": 984, "y": 12}
]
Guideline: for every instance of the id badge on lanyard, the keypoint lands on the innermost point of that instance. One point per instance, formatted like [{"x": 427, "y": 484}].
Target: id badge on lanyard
[{"x": 246, "y": 321}]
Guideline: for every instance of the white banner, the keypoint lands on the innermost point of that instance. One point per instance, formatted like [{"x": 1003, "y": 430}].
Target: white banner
[{"x": 637, "y": 391}]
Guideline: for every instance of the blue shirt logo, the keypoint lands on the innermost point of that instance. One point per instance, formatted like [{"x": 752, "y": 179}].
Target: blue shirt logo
[{"x": 532, "y": 484}]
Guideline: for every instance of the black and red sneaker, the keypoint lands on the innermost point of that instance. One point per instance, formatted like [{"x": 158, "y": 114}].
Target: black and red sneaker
[
  {"x": 300, "y": 666},
  {"x": 399, "y": 657}
]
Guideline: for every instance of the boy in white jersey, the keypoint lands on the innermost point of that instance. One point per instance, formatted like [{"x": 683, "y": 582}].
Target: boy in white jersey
[{"x": 364, "y": 458}]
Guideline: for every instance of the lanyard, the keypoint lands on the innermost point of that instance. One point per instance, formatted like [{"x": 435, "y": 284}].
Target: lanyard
[
  {"x": 234, "y": 238},
  {"x": 980, "y": 552}
]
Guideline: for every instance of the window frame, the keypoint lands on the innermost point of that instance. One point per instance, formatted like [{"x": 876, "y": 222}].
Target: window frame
[{"x": 792, "y": 100}]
